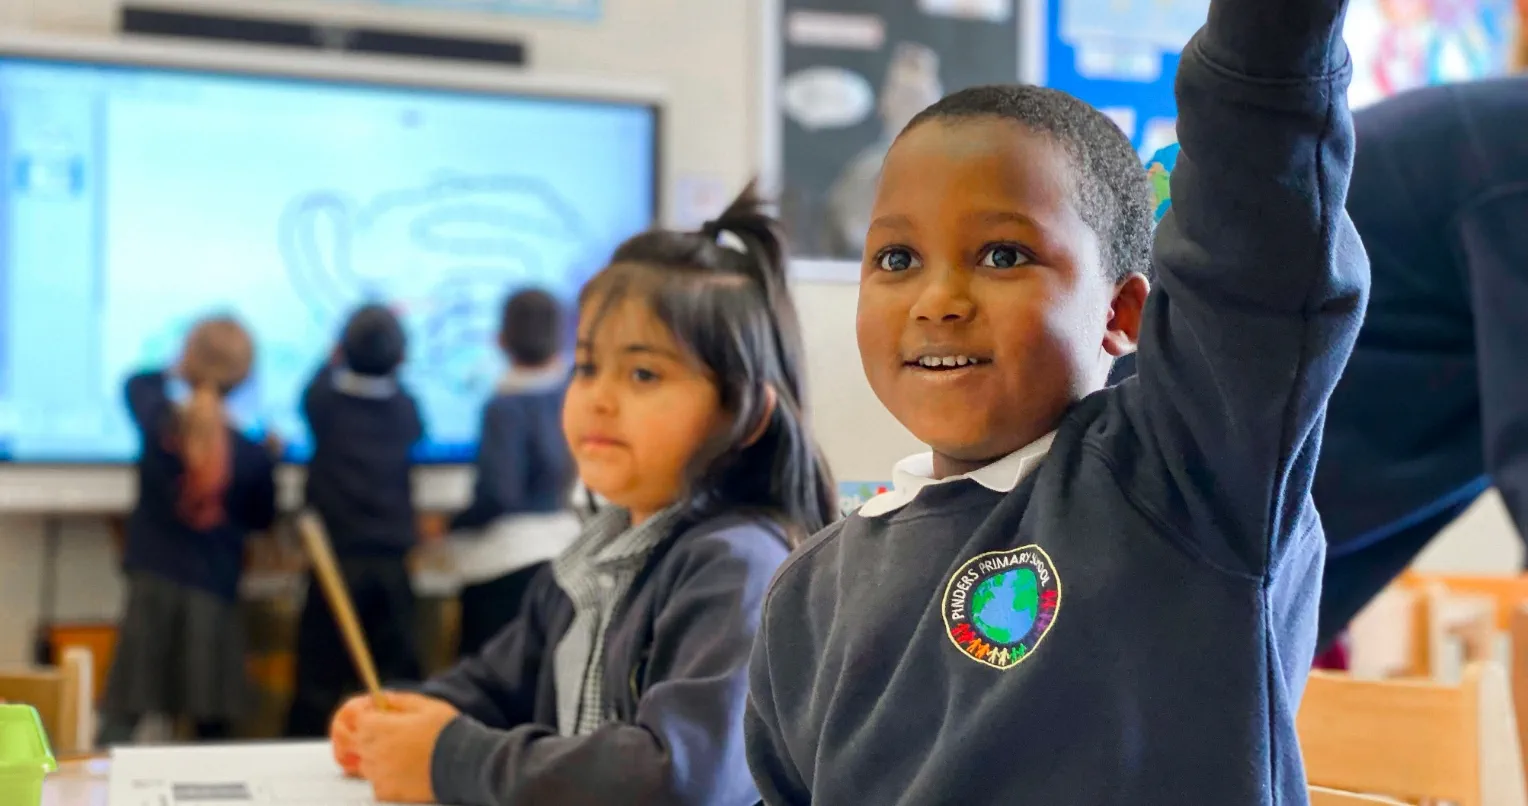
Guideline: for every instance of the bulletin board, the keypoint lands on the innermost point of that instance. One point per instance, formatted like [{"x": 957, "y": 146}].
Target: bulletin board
[
  {"x": 1122, "y": 57},
  {"x": 1399, "y": 45},
  {"x": 842, "y": 78}
]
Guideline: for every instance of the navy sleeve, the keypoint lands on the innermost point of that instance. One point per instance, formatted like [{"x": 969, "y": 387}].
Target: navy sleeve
[
  {"x": 412, "y": 424},
  {"x": 497, "y": 687},
  {"x": 769, "y": 760},
  {"x": 317, "y": 398},
  {"x": 1261, "y": 279},
  {"x": 503, "y": 450},
  {"x": 256, "y": 504},
  {"x": 1494, "y": 238},
  {"x": 685, "y": 745},
  {"x": 147, "y": 401}
]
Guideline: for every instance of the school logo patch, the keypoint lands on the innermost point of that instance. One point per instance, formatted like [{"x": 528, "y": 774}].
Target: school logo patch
[{"x": 999, "y": 606}]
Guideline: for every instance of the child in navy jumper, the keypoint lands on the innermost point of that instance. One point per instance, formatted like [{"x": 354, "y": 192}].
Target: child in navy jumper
[
  {"x": 623, "y": 679},
  {"x": 202, "y": 488},
  {"x": 364, "y": 426},
  {"x": 1085, "y": 595},
  {"x": 520, "y": 515}
]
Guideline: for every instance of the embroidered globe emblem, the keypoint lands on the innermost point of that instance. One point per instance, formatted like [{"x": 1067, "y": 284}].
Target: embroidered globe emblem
[{"x": 1004, "y": 606}]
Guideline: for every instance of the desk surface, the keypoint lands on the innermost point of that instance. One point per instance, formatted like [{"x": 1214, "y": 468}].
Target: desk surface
[{"x": 78, "y": 783}]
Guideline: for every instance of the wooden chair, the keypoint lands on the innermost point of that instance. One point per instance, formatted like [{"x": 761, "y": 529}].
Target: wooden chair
[
  {"x": 1508, "y": 592},
  {"x": 62, "y": 697},
  {"x": 1321, "y": 796},
  {"x": 1414, "y": 740},
  {"x": 1403, "y": 633}
]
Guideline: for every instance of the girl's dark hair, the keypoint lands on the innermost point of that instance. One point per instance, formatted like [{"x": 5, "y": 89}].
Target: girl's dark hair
[{"x": 730, "y": 308}]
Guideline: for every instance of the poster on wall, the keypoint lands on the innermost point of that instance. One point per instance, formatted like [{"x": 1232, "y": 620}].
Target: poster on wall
[
  {"x": 849, "y": 74},
  {"x": 572, "y": 9},
  {"x": 1399, "y": 45},
  {"x": 1122, "y": 57}
]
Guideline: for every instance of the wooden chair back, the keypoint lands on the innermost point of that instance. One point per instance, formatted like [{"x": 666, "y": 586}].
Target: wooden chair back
[
  {"x": 1414, "y": 739},
  {"x": 62, "y": 697}
]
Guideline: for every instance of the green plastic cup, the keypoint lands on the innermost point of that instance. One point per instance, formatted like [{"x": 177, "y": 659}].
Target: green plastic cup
[{"x": 25, "y": 758}]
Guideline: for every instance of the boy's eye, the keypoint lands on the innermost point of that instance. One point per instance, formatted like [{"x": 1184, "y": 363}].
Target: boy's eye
[
  {"x": 584, "y": 369},
  {"x": 641, "y": 375},
  {"x": 1003, "y": 257},
  {"x": 896, "y": 259}
]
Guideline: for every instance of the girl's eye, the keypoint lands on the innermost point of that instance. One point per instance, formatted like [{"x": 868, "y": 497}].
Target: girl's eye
[
  {"x": 896, "y": 259},
  {"x": 1003, "y": 257},
  {"x": 584, "y": 370},
  {"x": 641, "y": 375}
]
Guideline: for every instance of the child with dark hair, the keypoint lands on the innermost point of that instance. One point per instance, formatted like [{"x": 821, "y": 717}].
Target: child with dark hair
[
  {"x": 1085, "y": 595},
  {"x": 520, "y": 515},
  {"x": 623, "y": 680},
  {"x": 202, "y": 488},
  {"x": 364, "y": 426}
]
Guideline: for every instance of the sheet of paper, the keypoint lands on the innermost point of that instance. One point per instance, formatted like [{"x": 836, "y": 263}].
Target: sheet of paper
[{"x": 275, "y": 774}]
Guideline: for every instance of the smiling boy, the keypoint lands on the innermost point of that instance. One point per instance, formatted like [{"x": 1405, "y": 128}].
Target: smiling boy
[{"x": 1083, "y": 596}]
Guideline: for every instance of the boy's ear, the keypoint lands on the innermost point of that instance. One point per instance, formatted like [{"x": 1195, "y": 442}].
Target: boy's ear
[{"x": 1125, "y": 310}]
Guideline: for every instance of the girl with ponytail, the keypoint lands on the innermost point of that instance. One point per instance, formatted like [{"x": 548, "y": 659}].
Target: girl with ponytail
[
  {"x": 623, "y": 680},
  {"x": 202, "y": 488}
]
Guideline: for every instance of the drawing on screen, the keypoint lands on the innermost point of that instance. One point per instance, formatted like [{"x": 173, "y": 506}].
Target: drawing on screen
[
  {"x": 444, "y": 255},
  {"x": 1126, "y": 40}
]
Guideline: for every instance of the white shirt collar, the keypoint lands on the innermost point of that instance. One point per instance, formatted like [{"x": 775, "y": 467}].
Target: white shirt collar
[
  {"x": 912, "y": 474},
  {"x": 372, "y": 387},
  {"x": 541, "y": 379}
]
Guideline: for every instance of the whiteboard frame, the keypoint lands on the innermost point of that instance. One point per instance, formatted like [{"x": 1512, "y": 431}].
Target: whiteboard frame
[{"x": 110, "y": 488}]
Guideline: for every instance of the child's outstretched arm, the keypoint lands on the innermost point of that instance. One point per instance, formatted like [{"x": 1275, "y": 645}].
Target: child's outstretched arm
[{"x": 1261, "y": 280}]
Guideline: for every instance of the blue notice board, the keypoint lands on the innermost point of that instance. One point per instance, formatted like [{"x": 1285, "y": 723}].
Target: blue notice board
[{"x": 1120, "y": 56}]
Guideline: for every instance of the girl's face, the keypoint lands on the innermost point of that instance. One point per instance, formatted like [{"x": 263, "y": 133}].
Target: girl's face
[{"x": 638, "y": 409}]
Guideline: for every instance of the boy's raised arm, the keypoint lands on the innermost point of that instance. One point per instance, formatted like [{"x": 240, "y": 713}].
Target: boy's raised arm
[{"x": 1261, "y": 279}]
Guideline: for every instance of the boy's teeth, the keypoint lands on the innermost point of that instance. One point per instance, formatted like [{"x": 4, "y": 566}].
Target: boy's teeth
[{"x": 946, "y": 361}]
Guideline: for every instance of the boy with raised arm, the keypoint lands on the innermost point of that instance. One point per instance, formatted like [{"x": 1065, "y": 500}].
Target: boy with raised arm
[{"x": 1085, "y": 595}]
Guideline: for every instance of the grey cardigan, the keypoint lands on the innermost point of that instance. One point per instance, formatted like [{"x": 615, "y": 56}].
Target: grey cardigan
[{"x": 676, "y": 678}]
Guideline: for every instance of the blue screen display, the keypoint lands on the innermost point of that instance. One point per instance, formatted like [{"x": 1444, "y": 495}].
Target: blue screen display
[{"x": 135, "y": 200}]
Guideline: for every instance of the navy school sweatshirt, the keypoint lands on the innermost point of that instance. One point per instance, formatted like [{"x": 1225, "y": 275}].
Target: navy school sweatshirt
[
  {"x": 523, "y": 461},
  {"x": 1434, "y": 403},
  {"x": 360, "y": 477},
  {"x": 160, "y": 543},
  {"x": 1160, "y": 569},
  {"x": 675, "y": 679}
]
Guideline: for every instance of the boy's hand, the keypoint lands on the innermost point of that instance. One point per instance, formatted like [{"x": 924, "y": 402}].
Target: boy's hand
[
  {"x": 342, "y": 734},
  {"x": 396, "y": 746}
]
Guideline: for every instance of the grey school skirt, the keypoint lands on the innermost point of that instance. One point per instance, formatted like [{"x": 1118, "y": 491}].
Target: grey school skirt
[{"x": 180, "y": 653}]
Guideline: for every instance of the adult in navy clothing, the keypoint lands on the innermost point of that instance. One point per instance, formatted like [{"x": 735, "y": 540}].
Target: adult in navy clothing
[{"x": 1433, "y": 408}]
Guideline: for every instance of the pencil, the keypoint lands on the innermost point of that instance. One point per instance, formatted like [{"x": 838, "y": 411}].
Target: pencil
[{"x": 333, "y": 582}]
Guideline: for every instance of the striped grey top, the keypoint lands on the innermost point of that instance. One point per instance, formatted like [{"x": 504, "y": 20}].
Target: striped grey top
[{"x": 596, "y": 572}]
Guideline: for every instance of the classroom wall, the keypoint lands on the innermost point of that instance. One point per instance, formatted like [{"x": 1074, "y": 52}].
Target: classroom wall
[
  {"x": 706, "y": 54},
  {"x": 703, "y": 52}
]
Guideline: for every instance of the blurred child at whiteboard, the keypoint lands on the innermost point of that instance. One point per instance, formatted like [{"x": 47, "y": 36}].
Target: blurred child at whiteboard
[
  {"x": 202, "y": 488},
  {"x": 364, "y": 426},
  {"x": 519, "y": 516},
  {"x": 624, "y": 677}
]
